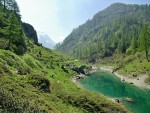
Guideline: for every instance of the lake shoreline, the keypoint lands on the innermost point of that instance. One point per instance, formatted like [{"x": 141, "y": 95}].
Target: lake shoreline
[
  {"x": 81, "y": 76},
  {"x": 125, "y": 96},
  {"x": 137, "y": 81}
]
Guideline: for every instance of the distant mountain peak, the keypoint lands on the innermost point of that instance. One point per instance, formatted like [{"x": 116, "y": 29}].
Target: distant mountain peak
[{"x": 45, "y": 40}]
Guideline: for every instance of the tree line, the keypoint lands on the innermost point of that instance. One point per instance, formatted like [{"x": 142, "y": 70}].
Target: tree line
[
  {"x": 11, "y": 32},
  {"x": 119, "y": 29}
]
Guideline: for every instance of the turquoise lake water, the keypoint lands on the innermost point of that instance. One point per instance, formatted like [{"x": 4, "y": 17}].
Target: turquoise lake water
[{"x": 111, "y": 86}]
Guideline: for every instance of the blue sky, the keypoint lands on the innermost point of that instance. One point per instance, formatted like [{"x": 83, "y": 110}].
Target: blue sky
[{"x": 57, "y": 18}]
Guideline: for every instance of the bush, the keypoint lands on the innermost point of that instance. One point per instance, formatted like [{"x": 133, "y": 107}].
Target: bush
[
  {"x": 129, "y": 51},
  {"x": 4, "y": 70},
  {"x": 41, "y": 82},
  {"x": 30, "y": 61},
  {"x": 92, "y": 60}
]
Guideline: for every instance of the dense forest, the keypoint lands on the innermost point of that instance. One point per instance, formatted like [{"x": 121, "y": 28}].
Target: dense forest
[
  {"x": 119, "y": 29},
  {"x": 34, "y": 79},
  {"x": 11, "y": 32}
]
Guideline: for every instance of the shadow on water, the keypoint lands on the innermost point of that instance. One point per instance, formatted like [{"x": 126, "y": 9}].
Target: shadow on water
[{"x": 111, "y": 86}]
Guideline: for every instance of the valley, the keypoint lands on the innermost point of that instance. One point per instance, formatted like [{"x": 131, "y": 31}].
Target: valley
[{"x": 37, "y": 79}]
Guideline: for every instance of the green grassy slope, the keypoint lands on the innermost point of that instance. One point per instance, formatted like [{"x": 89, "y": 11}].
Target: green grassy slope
[
  {"x": 129, "y": 65},
  {"x": 36, "y": 82}
]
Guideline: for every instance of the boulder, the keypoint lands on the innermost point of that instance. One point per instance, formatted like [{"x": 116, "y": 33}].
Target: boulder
[{"x": 129, "y": 99}]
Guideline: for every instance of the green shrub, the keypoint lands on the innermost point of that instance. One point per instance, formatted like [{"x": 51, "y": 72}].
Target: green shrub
[
  {"x": 30, "y": 61},
  {"x": 129, "y": 51},
  {"x": 41, "y": 82},
  {"x": 4, "y": 70}
]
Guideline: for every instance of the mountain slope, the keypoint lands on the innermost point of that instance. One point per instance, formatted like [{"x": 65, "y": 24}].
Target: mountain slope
[
  {"x": 39, "y": 81},
  {"x": 45, "y": 40},
  {"x": 118, "y": 36},
  {"x": 34, "y": 79},
  {"x": 116, "y": 29},
  {"x": 30, "y": 32}
]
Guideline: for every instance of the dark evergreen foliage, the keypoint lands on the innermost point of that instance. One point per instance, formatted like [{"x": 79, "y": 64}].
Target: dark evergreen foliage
[
  {"x": 30, "y": 32},
  {"x": 10, "y": 5},
  {"x": 11, "y": 33},
  {"x": 12, "y": 29},
  {"x": 114, "y": 30}
]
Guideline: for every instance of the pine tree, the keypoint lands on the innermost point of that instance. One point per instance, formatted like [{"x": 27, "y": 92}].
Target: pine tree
[
  {"x": 120, "y": 46},
  {"x": 145, "y": 40},
  {"x": 15, "y": 7},
  {"x": 15, "y": 34},
  {"x": 10, "y": 5},
  {"x": 133, "y": 45},
  {"x": 4, "y": 4}
]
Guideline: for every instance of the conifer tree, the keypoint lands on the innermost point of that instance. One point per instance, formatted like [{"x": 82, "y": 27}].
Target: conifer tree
[
  {"x": 120, "y": 47},
  {"x": 145, "y": 40},
  {"x": 10, "y": 5},
  {"x": 133, "y": 45},
  {"x": 4, "y": 4},
  {"x": 15, "y": 35}
]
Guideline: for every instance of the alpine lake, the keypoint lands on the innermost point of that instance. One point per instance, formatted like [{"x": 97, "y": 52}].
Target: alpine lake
[{"x": 137, "y": 100}]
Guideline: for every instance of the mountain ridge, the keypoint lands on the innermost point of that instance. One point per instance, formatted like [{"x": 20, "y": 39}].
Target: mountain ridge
[
  {"x": 105, "y": 24},
  {"x": 118, "y": 36}
]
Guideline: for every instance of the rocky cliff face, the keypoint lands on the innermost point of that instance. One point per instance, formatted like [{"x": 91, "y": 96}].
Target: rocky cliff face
[{"x": 30, "y": 32}]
